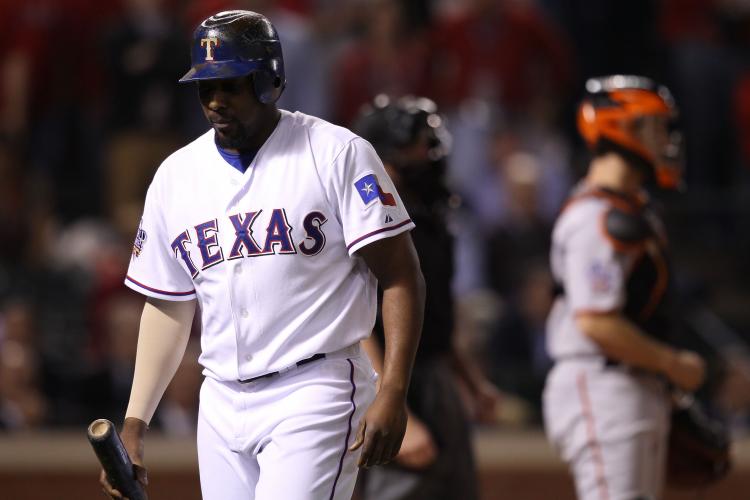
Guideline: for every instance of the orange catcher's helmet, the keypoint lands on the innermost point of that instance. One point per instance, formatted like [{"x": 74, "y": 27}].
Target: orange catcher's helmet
[{"x": 613, "y": 108}]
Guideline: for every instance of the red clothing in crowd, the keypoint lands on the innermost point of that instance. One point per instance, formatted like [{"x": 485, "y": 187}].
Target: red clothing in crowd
[{"x": 504, "y": 52}]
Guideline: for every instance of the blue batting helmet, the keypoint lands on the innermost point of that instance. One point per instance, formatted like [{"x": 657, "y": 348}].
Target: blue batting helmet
[{"x": 238, "y": 43}]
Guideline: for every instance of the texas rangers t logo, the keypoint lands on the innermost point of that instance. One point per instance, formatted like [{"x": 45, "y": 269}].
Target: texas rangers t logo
[
  {"x": 369, "y": 189},
  {"x": 210, "y": 43}
]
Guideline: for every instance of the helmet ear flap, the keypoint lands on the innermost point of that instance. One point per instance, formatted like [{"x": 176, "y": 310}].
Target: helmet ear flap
[
  {"x": 269, "y": 82},
  {"x": 267, "y": 86}
]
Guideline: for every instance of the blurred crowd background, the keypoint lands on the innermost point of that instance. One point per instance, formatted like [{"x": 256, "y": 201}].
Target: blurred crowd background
[{"x": 90, "y": 105}]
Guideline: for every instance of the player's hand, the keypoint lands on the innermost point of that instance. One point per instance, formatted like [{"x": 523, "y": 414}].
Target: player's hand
[
  {"x": 133, "y": 432},
  {"x": 139, "y": 472},
  {"x": 382, "y": 429},
  {"x": 687, "y": 370},
  {"x": 418, "y": 449}
]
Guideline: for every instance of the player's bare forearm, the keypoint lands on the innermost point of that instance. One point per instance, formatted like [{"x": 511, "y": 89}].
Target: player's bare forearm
[
  {"x": 623, "y": 340},
  {"x": 395, "y": 263},
  {"x": 402, "y": 324}
]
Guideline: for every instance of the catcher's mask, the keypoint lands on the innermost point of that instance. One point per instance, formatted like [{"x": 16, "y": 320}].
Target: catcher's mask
[
  {"x": 613, "y": 113},
  {"x": 239, "y": 43}
]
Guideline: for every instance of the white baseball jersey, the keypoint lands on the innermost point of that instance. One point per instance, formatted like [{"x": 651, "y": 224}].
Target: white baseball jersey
[
  {"x": 591, "y": 271},
  {"x": 269, "y": 253}
]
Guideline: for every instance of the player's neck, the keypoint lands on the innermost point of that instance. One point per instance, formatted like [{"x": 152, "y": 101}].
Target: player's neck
[{"x": 611, "y": 171}]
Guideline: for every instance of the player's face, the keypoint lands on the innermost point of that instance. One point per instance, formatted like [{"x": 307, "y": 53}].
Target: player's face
[
  {"x": 653, "y": 132},
  {"x": 232, "y": 109}
]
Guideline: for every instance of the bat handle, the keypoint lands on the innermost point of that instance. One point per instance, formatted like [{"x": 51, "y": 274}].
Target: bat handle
[{"x": 114, "y": 458}]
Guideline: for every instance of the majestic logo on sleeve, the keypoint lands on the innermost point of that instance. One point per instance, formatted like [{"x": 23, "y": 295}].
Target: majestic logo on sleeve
[
  {"x": 369, "y": 189},
  {"x": 275, "y": 239},
  {"x": 140, "y": 240}
]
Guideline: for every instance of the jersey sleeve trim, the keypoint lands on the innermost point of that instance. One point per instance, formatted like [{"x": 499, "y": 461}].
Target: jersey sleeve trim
[
  {"x": 155, "y": 292},
  {"x": 360, "y": 242}
]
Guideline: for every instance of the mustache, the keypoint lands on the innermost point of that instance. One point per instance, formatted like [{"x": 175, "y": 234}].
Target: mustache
[
  {"x": 215, "y": 117},
  {"x": 222, "y": 120}
]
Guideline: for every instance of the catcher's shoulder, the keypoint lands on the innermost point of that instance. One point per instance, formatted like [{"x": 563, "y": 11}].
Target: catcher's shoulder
[
  {"x": 626, "y": 227},
  {"x": 579, "y": 217},
  {"x": 623, "y": 224}
]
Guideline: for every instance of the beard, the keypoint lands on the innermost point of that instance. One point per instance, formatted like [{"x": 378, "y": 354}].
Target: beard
[{"x": 234, "y": 137}]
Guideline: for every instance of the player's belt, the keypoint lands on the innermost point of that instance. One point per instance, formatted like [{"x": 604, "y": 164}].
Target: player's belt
[
  {"x": 312, "y": 358},
  {"x": 605, "y": 362},
  {"x": 613, "y": 363}
]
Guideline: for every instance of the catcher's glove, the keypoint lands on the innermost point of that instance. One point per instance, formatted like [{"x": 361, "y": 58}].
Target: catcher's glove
[{"x": 698, "y": 446}]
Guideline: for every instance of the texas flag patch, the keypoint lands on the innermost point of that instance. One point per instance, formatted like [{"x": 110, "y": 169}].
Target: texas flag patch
[{"x": 369, "y": 189}]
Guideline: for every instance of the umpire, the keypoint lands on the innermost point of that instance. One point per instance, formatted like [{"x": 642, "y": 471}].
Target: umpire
[{"x": 436, "y": 459}]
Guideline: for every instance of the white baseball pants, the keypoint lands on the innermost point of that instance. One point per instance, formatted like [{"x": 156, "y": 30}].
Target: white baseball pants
[
  {"x": 610, "y": 425},
  {"x": 286, "y": 436}
]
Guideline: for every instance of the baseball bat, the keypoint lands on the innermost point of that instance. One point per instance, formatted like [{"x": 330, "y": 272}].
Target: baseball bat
[{"x": 114, "y": 459}]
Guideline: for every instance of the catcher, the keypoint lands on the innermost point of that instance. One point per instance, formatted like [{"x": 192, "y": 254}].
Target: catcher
[{"x": 607, "y": 403}]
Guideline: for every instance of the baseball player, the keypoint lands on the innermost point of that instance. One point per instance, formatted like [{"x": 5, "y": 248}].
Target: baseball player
[
  {"x": 279, "y": 226},
  {"x": 436, "y": 459},
  {"x": 606, "y": 401}
]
